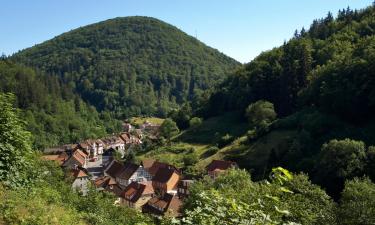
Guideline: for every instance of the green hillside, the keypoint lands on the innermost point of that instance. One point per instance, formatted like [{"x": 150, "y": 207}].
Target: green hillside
[
  {"x": 54, "y": 114},
  {"x": 322, "y": 84},
  {"x": 131, "y": 65}
]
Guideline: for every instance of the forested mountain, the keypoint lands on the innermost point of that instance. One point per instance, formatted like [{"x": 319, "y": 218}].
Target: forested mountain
[
  {"x": 54, "y": 114},
  {"x": 330, "y": 67},
  {"x": 322, "y": 84},
  {"x": 131, "y": 65}
]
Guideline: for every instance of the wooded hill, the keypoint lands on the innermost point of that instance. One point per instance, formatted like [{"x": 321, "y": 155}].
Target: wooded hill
[
  {"x": 321, "y": 83},
  {"x": 131, "y": 65}
]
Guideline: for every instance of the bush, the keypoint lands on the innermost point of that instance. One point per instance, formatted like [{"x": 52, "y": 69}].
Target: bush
[
  {"x": 211, "y": 151},
  {"x": 225, "y": 140},
  {"x": 190, "y": 159}
]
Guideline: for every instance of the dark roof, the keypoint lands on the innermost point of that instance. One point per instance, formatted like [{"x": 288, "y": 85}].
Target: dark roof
[
  {"x": 220, "y": 165},
  {"x": 160, "y": 205},
  {"x": 135, "y": 190},
  {"x": 158, "y": 165},
  {"x": 115, "y": 168},
  {"x": 163, "y": 175},
  {"x": 127, "y": 171}
]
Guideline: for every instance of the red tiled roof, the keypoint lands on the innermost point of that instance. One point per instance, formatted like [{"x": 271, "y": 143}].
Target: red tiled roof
[
  {"x": 220, "y": 165},
  {"x": 77, "y": 173},
  {"x": 125, "y": 137}
]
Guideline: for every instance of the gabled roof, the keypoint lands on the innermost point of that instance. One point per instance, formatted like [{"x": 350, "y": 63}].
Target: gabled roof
[
  {"x": 103, "y": 182},
  {"x": 79, "y": 173},
  {"x": 128, "y": 170},
  {"x": 164, "y": 175},
  {"x": 78, "y": 157},
  {"x": 114, "y": 168},
  {"x": 158, "y": 165},
  {"x": 147, "y": 163},
  {"x": 216, "y": 165},
  {"x": 136, "y": 190},
  {"x": 125, "y": 137},
  {"x": 160, "y": 205}
]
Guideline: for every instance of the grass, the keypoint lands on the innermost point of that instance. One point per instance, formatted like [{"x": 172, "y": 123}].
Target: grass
[
  {"x": 141, "y": 120},
  {"x": 254, "y": 156},
  {"x": 198, "y": 141},
  {"x": 214, "y": 128}
]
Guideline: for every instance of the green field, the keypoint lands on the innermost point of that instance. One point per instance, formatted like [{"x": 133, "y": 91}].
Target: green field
[
  {"x": 196, "y": 142},
  {"x": 141, "y": 120}
]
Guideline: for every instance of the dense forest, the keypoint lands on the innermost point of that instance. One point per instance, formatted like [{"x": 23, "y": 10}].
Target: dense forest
[
  {"x": 131, "y": 65},
  {"x": 321, "y": 83},
  {"x": 53, "y": 112}
]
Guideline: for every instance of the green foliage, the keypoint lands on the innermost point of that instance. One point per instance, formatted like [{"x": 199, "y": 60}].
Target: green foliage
[
  {"x": 131, "y": 65},
  {"x": 190, "y": 160},
  {"x": 260, "y": 114},
  {"x": 225, "y": 140},
  {"x": 15, "y": 148},
  {"x": 233, "y": 198},
  {"x": 370, "y": 169},
  {"x": 54, "y": 115},
  {"x": 168, "y": 129},
  {"x": 340, "y": 160},
  {"x": 195, "y": 122},
  {"x": 357, "y": 203},
  {"x": 51, "y": 200}
]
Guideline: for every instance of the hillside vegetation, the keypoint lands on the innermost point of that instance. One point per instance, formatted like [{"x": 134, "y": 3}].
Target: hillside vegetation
[
  {"x": 321, "y": 83},
  {"x": 131, "y": 65},
  {"x": 53, "y": 112}
]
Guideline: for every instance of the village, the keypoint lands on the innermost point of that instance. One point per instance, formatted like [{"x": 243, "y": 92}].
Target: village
[{"x": 152, "y": 187}]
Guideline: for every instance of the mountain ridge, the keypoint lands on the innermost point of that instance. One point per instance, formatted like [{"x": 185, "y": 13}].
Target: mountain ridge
[{"x": 107, "y": 62}]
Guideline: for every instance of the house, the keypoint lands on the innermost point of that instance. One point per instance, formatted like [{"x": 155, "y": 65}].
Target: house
[
  {"x": 164, "y": 205},
  {"x": 136, "y": 194},
  {"x": 218, "y": 166},
  {"x": 126, "y": 173},
  {"x": 81, "y": 180},
  {"x": 93, "y": 148},
  {"x": 114, "y": 142},
  {"x": 166, "y": 180},
  {"x": 109, "y": 184},
  {"x": 132, "y": 172},
  {"x": 127, "y": 127},
  {"x": 183, "y": 188},
  {"x": 153, "y": 166},
  {"x": 113, "y": 168},
  {"x": 77, "y": 159},
  {"x": 58, "y": 158}
]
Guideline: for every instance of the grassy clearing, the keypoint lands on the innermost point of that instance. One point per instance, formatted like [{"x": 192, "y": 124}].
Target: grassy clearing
[
  {"x": 141, "y": 120},
  {"x": 214, "y": 128},
  {"x": 254, "y": 156}
]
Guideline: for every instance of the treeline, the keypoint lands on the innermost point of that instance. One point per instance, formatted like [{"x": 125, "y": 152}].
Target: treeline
[
  {"x": 328, "y": 67},
  {"x": 321, "y": 83},
  {"x": 54, "y": 114},
  {"x": 131, "y": 66}
]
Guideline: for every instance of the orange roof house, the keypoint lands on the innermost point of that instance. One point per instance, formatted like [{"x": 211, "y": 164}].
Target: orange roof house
[
  {"x": 78, "y": 158},
  {"x": 166, "y": 180}
]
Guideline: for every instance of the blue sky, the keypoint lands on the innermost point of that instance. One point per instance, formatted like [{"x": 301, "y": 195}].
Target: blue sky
[{"x": 239, "y": 28}]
